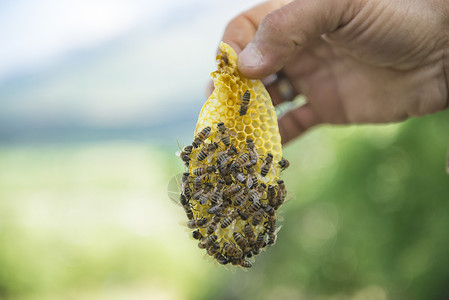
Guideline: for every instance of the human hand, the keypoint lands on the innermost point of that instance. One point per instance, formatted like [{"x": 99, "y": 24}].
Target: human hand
[{"x": 356, "y": 61}]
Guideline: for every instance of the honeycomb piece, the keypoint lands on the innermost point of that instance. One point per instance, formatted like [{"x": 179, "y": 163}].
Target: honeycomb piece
[
  {"x": 232, "y": 190},
  {"x": 259, "y": 123}
]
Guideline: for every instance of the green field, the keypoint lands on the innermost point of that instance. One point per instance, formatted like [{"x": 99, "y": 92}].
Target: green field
[{"x": 368, "y": 219}]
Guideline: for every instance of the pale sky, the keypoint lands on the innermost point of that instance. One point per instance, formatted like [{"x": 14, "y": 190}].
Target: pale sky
[
  {"x": 34, "y": 32},
  {"x": 162, "y": 53}
]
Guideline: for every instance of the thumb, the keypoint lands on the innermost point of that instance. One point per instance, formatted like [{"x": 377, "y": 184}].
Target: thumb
[{"x": 283, "y": 30}]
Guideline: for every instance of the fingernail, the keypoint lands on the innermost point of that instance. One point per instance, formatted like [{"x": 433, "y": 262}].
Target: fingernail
[{"x": 251, "y": 57}]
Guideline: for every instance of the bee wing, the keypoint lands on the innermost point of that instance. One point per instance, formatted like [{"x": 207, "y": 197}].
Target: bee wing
[
  {"x": 279, "y": 218},
  {"x": 277, "y": 230},
  {"x": 249, "y": 182},
  {"x": 289, "y": 196},
  {"x": 174, "y": 189}
]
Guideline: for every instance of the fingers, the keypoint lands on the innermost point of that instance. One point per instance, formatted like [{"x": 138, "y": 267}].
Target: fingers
[
  {"x": 209, "y": 88},
  {"x": 281, "y": 89},
  {"x": 281, "y": 31},
  {"x": 242, "y": 28},
  {"x": 296, "y": 122}
]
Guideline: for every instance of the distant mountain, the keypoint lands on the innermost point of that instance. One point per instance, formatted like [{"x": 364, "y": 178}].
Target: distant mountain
[{"x": 137, "y": 86}]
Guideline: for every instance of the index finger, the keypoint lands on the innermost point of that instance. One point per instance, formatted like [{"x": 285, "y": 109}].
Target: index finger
[{"x": 241, "y": 30}]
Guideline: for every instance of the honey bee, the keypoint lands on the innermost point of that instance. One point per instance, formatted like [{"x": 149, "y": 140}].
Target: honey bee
[
  {"x": 183, "y": 200},
  {"x": 229, "y": 218},
  {"x": 260, "y": 242},
  {"x": 284, "y": 164},
  {"x": 204, "y": 170},
  {"x": 250, "y": 210},
  {"x": 226, "y": 156},
  {"x": 249, "y": 233},
  {"x": 257, "y": 217},
  {"x": 224, "y": 134},
  {"x": 185, "y": 154},
  {"x": 207, "y": 242},
  {"x": 271, "y": 195},
  {"x": 266, "y": 165},
  {"x": 201, "y": 136},
  {"x": 231, "y": 191},
  {"x": 203, "y": 198},
  {"x": 235, "y": 261},
  {"x": 225, "y": 172},
  {"x": 252, "y": 180},
  {"x": 188, "y": 211},
  {"x": 240, "y": 197},
  {"x": 177, "y": 195},
  {"x": 271, "y": 237},
  {"x": 232, "y": 250},
  {"x": 270, "y": 210},
  {"x": 197, "y": 184},
  {"x": 282, "y": 193},
  {"x": 187, "y": 192},
  {"x": 238, "y": 175},
  {"x": 206, "y": 151},
  {"x": 192, "y": 224},
  {"x": 241, "y": 160},
  {"x": 203, "y": 195},
  {"x": 185, "y": 179},
  {"x": 213, "y": 225},
  {"x": 228, "y": 179},
  {"x": 197, "y": 235},
  {"x": 253, "y": 155},
  {"x": 217, "y": 192},
  {"x": 216, "y": 209},
  {"x": 271, "y": 223},
  {"x": 255, "y": 195},
  {"x": 245, "y": 264},
  {"x": 245, "y": 103},
  {"x": 240, "y": 241},
  {"x": 221, "y": 259},
  {"x": 212, "y": 250}
]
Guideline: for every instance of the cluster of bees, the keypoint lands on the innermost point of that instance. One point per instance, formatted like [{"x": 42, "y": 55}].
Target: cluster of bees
[{"x": 230, "y": 203}]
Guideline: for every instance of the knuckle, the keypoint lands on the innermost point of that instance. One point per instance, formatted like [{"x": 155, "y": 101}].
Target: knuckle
[{"x": 275, "y": 22}]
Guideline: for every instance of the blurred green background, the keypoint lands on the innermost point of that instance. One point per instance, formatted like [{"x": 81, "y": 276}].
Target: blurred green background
[{"x": 94, "y": 96}]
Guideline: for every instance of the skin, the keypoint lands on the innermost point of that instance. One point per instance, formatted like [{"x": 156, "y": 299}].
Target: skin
[{"x": 356, "y": 61}]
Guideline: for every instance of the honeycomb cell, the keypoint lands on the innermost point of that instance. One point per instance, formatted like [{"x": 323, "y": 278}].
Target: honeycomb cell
[
  {"x": 257, "y": 133},
  {"x": 241, "y": 137},
  {"x": 248, "y": 130},
  {"x": 276, "y": 139},
  {"x": 266, "y": 136}
]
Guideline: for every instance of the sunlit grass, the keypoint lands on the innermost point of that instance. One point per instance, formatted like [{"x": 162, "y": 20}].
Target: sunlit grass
[
  {"x": 81, "y": 217},
  {"x": 367, "y": 220}
]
